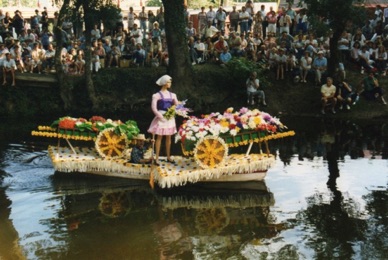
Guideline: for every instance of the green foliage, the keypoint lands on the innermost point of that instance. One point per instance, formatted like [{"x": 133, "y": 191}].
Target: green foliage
[
  {"x": 154, "y": 3},
  {"x": 240, "y": 68},
  {"x": 109, "y": 15}
]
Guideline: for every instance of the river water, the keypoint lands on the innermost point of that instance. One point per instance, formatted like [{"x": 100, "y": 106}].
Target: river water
[{"x": 325, "y": 198}]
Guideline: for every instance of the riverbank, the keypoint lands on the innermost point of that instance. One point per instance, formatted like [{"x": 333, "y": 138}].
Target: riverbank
[{"x": 122, "y": 91}]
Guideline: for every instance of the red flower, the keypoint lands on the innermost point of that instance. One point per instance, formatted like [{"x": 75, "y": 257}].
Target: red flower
[
  {"x": 97, "y": 119},
  {"x": 67, "y": 123}
]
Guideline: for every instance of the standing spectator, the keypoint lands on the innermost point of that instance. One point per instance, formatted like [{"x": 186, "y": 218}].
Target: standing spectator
[
  {"x": 35, "y": 19},
  {"x": 18, "y": 22},
  {"x": 143, "y": 17},
  {"x": 328, "y": 92},
  {"x": 244, "y": 20},
  {"x": 202, "y": 21},
  {"x": 131, "y": 18},
  {"x": 264, "y": 20},
  {"x": 95, "y": 62},
  {"x": 290, "y": 12},
  {"x": 258, "y": 24},
  {"x": 2, "y": 28},
  {"x": 186, "y": 14},
  {"x": 285, "y": 21},
  {"x": 372, "y": 89},
  {"x": 9, "y": 67},
  {"x": 271, "y": 17},
  {"x": 211, "y": 16},
  {"x": 160, "y": 18},
  {"x": 251, "y": 10},
  {"x": 151, "y": 20},
  {"x": 234, "y": 17},
  {"x": 320, "y": 66},
  {"x": 301, "y": 21},
  {"x": 253, "y": 89},
  {"x": 221, "y": 17},
  {"x": 44, "y": 20}
]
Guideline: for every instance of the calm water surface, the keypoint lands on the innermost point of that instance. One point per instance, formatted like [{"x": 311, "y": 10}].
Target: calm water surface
[{"x": 326, "y": 198}]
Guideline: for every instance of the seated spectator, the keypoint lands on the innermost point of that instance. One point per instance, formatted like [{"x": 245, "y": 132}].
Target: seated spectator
[
  {"x": 381, "y": 60},
  {"x": 49, "y": 58},
  {"x": 253, "y": 89},
  {"x": 199, "y": 47},
  {"x": 273, "y": 58},
  {"x": 328, "y": 95},
  {"x": 364, "y": 60},
  {"x": 95, "y": 62},
  {"x": 190, "y": 30},
  {"x": 9, "y": 67},
  {"x": 358, "y": 37},
  {"x": 155, "y": 54},
  {"x": 355, "y": 53},
  {"x": 209, "y": 47},
  {"x": 305, "y": 66},
  {"x": 155, "y": 32},
  {"x": 319, "y": 66},
  {"x": 114, "y": 56},
  {"x": 137, "y": 34},
  {"x": 345, "y": 93},
  {"x": 79, "y": 64},
  {"x": 17, "y": 57},
  {"x": 137, "y": 153},
  {"x": 68, "y": 64},
  {"x": 234, "y": 44},
  {"x": 219, "y": 47},
  {"x": 36, "y": 56},
  {"x": 120, "y": 35},
  {"x": 291, "y": 61},
  {"x": 96, "y": 33},
  {"x": 139, "y": 55},
  {"x": 281, "y": 60},
  {"x": 225, "y": 56},
  {"x": 192, "y": 53},
  {"x": 372, "y": 89}
]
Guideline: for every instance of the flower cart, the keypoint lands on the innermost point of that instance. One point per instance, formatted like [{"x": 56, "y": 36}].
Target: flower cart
[
  {"x": 110, "y": 137},
  {"x": 208, "y": 139}
]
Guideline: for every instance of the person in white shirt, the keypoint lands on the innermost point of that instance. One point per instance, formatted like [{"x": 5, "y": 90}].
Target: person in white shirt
[
  {"x": 253, "y": 89},
  {"x": 9, "y": 67},
  {"x": 96, "y": 33},
  {"x": 211, "y": 16},
  {"x": 137, "y": 34}
]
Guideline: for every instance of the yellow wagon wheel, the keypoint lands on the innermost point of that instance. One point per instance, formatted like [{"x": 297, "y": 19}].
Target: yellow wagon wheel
[
  {"x": 211, "y": 221},
  {"x": 114, "y": 204},
  {"x": 210, "y": 151},
  {"x": 111, "y": 145}
]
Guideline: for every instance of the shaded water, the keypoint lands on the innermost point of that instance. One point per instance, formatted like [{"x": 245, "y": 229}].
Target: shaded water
[{"x": 326, "y": 198}]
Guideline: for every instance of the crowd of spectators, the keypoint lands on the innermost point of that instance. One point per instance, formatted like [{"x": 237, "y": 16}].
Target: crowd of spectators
[{"x": 281, "y": 41}]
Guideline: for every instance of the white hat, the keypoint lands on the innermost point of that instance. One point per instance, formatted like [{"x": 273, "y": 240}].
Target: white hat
[
  {"x": 163, "y": 80},
  {"x": 320, "y": 52},
  {"x": 140, "y": 137}
]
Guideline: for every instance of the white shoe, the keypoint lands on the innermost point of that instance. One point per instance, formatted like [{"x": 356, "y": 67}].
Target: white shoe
[
  {"x": 362, "y": 70},
  {"x": 341, "y": 107},
  {"x": 347, "y": 107}
]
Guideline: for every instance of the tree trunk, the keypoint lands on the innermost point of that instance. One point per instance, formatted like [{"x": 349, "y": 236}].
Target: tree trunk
[
  {"x": 179, "y": 63},
  {"x": 64, "y": 86},
  {"x": 333, "y": 61},
  {"x": 89, "y": 22}
]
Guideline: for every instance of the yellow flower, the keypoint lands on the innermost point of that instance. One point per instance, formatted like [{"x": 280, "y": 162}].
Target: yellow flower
[
  {"x": 224, "y": 123},
  {"x": 257, "y": 120}
]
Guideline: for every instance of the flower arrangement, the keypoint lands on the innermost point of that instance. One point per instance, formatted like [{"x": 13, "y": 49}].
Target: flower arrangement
[
  {"x": 178, "y": 109},
  {"x": 96, "y": 124},
  {"x": 229, "y": 123}
]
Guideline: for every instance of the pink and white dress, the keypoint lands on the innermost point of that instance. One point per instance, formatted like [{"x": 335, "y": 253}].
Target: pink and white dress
[{"x": 160, "y": 104}]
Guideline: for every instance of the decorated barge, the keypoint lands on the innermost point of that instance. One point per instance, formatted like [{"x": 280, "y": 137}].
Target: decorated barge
[{"x": 105, "y": 148}]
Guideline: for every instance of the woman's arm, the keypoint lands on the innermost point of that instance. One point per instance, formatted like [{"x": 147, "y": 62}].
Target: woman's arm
[{"x": 154, "y": 108}]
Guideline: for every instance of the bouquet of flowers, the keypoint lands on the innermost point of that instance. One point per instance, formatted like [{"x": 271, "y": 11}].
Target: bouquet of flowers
[
  {"x": 229, "y": 123},
  {"x": 178, "y": 109}
]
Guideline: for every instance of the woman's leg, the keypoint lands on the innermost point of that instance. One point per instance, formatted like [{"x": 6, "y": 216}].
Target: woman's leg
[
  {"x": 168, "y": 146},
  {"x": 157, "y": 147}
]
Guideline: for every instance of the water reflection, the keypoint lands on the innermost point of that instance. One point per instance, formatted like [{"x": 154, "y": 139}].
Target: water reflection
[{"x": 183, "y": 222}]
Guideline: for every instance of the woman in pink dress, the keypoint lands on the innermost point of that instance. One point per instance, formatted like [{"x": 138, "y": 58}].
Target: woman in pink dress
[{"x": 160, "y": 126}]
